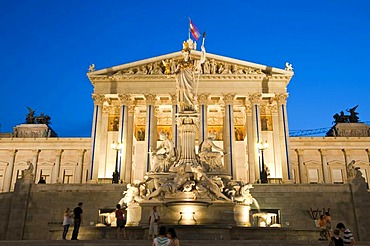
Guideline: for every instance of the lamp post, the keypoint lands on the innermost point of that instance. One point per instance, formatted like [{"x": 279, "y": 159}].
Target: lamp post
[
  {"x": 263, "y": 174},
  {"x": 116, "y": 147}
]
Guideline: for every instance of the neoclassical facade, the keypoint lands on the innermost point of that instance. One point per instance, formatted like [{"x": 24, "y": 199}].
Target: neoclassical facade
[{"x": 242, "y": 104}]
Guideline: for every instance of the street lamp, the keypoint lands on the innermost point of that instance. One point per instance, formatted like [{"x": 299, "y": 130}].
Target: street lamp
[
  {"x": 263, "y": 174},
  {"x": 116, "y": 147}
]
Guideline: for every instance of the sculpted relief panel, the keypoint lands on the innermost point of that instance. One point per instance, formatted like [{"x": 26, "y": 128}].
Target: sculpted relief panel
[{"x": 168, "y": 66}]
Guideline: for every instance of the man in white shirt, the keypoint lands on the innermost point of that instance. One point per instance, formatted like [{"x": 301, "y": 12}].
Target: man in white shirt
[{"x": 153, "y": 223}]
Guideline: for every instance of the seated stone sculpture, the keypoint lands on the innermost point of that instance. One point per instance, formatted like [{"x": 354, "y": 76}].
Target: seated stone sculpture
[
  {"x": 351, "y": 169},
  {"x": 210, "y": 157},
  {"x": 28, "y": 173},
  {"x": 162, "y": 161}
]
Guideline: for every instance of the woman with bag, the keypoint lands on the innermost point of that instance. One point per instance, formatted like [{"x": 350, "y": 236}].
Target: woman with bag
[{"x": 67, "y": 221}]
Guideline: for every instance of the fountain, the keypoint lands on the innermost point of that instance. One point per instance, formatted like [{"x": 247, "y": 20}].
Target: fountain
[{"x": 186, "y": 185}]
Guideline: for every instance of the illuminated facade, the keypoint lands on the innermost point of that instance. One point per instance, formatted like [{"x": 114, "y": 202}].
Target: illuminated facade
[{"x": 242, "y": 103}]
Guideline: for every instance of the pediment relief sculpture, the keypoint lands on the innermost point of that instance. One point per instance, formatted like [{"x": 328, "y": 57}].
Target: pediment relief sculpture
[{"x": 168, "y": 66}]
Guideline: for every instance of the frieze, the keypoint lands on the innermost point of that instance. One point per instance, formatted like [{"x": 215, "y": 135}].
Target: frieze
[{"x": 169, "y": 66}]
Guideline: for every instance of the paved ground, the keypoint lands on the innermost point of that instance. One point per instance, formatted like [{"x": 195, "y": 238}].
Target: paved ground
[{"x": 183, "y": 243}]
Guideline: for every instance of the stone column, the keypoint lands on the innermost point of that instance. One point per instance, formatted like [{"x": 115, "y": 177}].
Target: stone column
[
  {"x": 301, "y": 166},
  {"x": 256, "y": 133},
  {"x": 347, "y": 159},
  {"x": 9, "y": 170},
  {"x": 324, "y": 163},
  {"x": 129, "y": 142},
  {"x": 95, "y": 140},
  {"x": 276, "y": 140},
  {"x": 284, "y": 135},
  {"x": 150, "y": 130},
  {"x": 35, "y": 158},
  {"x": 368, "y": 154},
  {"x": 251, "y": 146},
  {"x": 80, "y": 163},
  {"x": 175, "y": 129},
  {"x": 56, "y": 169},
  {"x": 126, "y": 137},
  {"x": 229, "y": 136},
  {"x": 203, "y": 108}
]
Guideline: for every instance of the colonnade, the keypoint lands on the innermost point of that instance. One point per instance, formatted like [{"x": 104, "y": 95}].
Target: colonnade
[{"x": 252, "y": 107}]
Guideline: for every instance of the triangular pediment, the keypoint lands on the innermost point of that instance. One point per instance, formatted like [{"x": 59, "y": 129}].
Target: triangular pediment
[{"x": 214, "y": 65}]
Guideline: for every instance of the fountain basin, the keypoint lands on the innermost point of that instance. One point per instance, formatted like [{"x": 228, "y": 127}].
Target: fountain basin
[{"x": 189, "y": 212}]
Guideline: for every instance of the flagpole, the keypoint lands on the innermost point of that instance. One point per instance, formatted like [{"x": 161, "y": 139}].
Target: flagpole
[
  {"x": 189, "y": 28},
  {"x": 200, "y": 63}
]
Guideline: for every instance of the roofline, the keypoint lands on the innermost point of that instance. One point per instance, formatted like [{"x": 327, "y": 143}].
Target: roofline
[{"x": 196, "y": 52}]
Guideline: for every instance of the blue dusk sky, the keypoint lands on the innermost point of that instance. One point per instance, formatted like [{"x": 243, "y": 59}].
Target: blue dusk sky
[{"x": 47, "y": 46}]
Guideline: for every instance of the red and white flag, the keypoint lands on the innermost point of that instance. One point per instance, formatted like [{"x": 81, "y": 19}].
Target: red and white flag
[{"x": 194, "y": 31}]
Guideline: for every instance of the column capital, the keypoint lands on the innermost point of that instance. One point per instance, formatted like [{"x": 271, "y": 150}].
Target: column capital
[
  {"x": 12, "y": 152},
  {"x": 229, "y": 98},
  {"x": 203, "y": 98},
  {"x": 131, "y": 108},
  {"x": 255, "y": 98},
  {"x": 150, "y": 99},
  {"x": 81, "y": 152},
  {"x": 35, "y": 151},
  {"x": 58, "y": 152},
  {"x": 323, "y": 152},
  {"x": 299, "y": 152},
  {"x": 125, "y": 99},
  {"x": 98, "y": 99},
  {"x": 281, "y": 98},
  {"x": 173, "y": 98},
  {"x": 346, "y": 151}
]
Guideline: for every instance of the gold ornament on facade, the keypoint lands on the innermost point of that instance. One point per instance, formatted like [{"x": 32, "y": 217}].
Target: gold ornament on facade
[
  {"x": 228, "y": 98},
  {"x": 150, "y": 99},
  {"x": 125, "y": 99},
  {"x": 255, "y": 98},
  {"x": 98, "y": 99},
  {"x": 281, "y": 98}
]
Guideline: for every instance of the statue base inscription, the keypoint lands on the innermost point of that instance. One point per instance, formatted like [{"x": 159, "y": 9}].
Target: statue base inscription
[{"x": 349, "y": 130}]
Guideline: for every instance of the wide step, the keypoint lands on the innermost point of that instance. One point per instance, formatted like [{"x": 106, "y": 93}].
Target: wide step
[{"x": 183, "y": 243}]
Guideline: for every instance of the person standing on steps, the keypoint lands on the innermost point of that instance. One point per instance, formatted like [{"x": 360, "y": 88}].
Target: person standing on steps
[
  {"x": 67, "y": 221},
  {"x": 153, "y": 223},
  {"x": 77, "y": 212}
]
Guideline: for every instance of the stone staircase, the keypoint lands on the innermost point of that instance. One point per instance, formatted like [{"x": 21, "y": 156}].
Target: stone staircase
[{"x": 183, "y": 243}]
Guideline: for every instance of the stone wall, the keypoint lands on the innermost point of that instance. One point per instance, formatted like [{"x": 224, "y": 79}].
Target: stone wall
[
  {"x": 5, "y": 207},
  {"x": 37, "y": 212}
]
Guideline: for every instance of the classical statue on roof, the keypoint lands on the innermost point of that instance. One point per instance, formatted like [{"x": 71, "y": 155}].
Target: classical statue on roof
[
  {"x": 41, "y": 119},
  {"x": 351, "y": 118}
]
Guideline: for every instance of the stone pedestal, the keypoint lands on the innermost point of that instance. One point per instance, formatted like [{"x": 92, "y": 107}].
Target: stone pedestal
[
  {"x": 349, "y": 130},
  {"x": 33, "y": 131},
  {"x": 133, "y": 214},
  {"x": 17, "y": 217},
  {"x": 361, "y": 201},
  {"x": 242, "y": 215}
]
